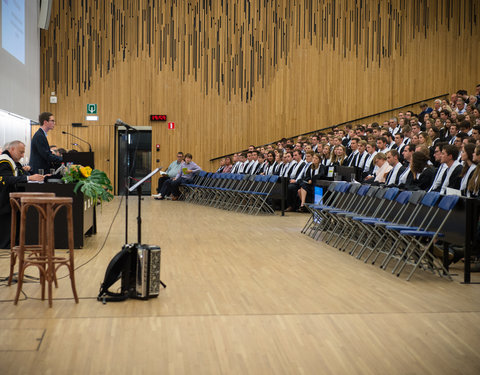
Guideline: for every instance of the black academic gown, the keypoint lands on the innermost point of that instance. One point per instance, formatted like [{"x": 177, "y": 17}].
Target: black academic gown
[{"x": 8, "y": 182}]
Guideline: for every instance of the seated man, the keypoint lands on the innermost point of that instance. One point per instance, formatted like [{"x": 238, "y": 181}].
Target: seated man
[
  {"x": 187, "y": 170},
  {"x": 171, "y": 172},
  {"x": 452, "y": 177},
  {"x": 11, "y": 173},
  {"x": 393, "y": 176}
]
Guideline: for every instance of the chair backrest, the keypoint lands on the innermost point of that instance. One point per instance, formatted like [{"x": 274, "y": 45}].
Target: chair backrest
[
  {"x": 332, "y": 186},
  {"x": 339, "y": 187},
  {"x": 202, "y": 173},
  {"x": 390, "y": 193},
  {"x": 372, "y": 192},
  {"x": 363, "y": 190},
  {"x": 380, "y": 193},
  {"x": 430, "y": 199},
  {"x": 448, "y": 202},
  {"x": 354, "y": 188},
  {"x": 344, "y": 187},
  {"x": 403, "y": 197},
  {"x": 273, "y": 178},
  {"x": 417, "y": 196}
]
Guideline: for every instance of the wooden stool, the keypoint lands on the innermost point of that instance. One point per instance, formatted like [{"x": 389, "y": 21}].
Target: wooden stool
[
  {"x": 35, "y": 249},
  {"x": 46, "y": 262}
]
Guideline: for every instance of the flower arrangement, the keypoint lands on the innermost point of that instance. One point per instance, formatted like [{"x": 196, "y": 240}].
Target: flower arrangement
[{"x": 93, "y": 184}]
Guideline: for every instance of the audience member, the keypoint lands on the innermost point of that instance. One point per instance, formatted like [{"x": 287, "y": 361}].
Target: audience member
[
  {"x": 171, "y": 172},
  {"x": 313, "y": 173},
  {"x": 473, "y": 187},
  {"x": 397, "y": 168},
  {"x": 468, "y": 166},
  {"x": 185, "y": 174},
  {"x": 421, "y": 175},
  {"x": 451, "y": 177}
]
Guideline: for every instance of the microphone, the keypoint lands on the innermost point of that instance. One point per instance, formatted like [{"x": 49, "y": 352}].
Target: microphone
[
  {"x": 74, "y": 136},
  {"x": 121, "y": 123}
]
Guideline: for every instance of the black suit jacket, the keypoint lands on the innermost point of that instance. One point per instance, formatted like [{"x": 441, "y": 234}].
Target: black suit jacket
[
  {"x": 8, "y": 180},
  {"x": 422, "y": 182},
  {"x": 40, "y": 155},
  {"x": 299, "y": 170},
  {"x": 397, "y": 177},
  {"x": 455, "y": 179}
]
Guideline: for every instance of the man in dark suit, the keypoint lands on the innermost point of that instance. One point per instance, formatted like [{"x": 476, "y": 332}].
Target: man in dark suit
[
  {"x": 451, "y": 178},
  {"x": 11, "y": 173},
  {"x": 393, "y": 176},
  {"x": 40, "y": 155}
]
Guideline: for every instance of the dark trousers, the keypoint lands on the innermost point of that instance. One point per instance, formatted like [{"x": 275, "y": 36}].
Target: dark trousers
[
  {"x": 292, "y": 197},
  {"x": 5, "y": 224},
  {"x": 171, "y": 187},
  {"x": 161, "y": 181}
]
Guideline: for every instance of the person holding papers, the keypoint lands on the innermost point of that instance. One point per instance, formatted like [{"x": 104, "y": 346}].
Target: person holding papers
[{"x": 171, "y": 172}]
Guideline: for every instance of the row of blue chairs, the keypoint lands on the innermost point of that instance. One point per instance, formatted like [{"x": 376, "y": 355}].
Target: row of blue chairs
[
  {"x": 229, "y": 191},
  {"x": 370, "y": 222}
]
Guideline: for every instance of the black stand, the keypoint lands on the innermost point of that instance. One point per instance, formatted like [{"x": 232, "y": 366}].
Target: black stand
[
  {"x": 138, "y": 186},
  {"x": 127, "y": 183}
]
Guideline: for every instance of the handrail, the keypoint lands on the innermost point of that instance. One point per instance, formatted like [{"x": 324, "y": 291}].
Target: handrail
[{"x": 346, "y": 122}]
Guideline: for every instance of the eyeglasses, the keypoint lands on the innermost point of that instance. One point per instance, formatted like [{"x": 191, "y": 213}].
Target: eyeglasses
[{"x": 51, "y": 121}]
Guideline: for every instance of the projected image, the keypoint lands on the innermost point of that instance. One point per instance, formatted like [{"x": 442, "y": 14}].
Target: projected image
[{"x": 13, "y": 28}]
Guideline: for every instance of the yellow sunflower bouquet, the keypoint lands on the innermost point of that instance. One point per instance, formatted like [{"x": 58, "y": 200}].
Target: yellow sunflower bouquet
[{"x": 93, "y": 183}]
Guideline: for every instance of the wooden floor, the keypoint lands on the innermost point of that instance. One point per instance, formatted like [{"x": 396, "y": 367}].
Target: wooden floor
[{"x": 245, "y": 295}]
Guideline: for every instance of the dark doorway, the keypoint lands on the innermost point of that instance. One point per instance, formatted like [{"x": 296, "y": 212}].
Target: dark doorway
[{"x": 136, "y": 153}]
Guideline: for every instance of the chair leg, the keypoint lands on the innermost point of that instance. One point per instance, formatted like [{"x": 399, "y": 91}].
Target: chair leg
[
  {"x": 13, "y": 261},
  {"x": 71, "y": 266}
]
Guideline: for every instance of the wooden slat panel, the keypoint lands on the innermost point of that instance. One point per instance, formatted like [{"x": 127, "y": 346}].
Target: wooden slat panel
[{"x": 235, "y": 73}]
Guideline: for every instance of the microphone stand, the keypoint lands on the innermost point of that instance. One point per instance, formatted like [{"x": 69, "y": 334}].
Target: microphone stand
[
  {"x": 80, "y": 139},
  {"x": 127, "y": 183}
]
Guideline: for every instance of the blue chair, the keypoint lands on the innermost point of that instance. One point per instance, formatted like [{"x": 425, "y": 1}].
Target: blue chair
[{"x": 421, "y": 241}]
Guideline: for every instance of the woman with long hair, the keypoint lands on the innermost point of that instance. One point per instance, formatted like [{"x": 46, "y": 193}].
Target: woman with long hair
[
  {"x": 415, "y": 141},
  {"x": 270, "y": 163},
  {"x": 473, "y": 187},
  {"x": 326, "y": 160},
  {"x": 307, "y": 185},
  {"x": 339, "y": 155},
  {"x": 424, "y": 139},
  {"x": 228, "y": 165},
  {"x": 278, "y": 161},
  {"x": 422, "y": 175},
  {"x": 468, "y": 166},
  {"x": 429, "y": 123}
]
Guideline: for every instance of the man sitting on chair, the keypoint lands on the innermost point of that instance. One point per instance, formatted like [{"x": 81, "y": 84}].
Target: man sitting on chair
[
  {"x": 171, "y": 172},
  {"x": 187, "y": 170},
  {"x": 11, "y": 173}
]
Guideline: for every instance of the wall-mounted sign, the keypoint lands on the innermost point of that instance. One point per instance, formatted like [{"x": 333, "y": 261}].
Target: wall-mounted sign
[
  {"x": 171, "y": 125},
  {"x": 92, "y": 109}
]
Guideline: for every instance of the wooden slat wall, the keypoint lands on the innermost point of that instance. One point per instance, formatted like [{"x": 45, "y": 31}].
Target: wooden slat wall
[{"x": 234, "y": 73}]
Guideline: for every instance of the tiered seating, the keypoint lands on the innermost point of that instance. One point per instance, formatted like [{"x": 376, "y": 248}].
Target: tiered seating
[
  {"x": 233, "y": 192},
  {"x": 370, "y": 222}
]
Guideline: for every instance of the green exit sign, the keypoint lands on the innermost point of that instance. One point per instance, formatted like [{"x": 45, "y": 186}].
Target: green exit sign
[{"x": 92, "y": 109}]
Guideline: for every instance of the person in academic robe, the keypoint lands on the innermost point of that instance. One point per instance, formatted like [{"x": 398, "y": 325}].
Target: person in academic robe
[
  {"x": 11, "y": 173},
  {"x": 314, "y": 172}
]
